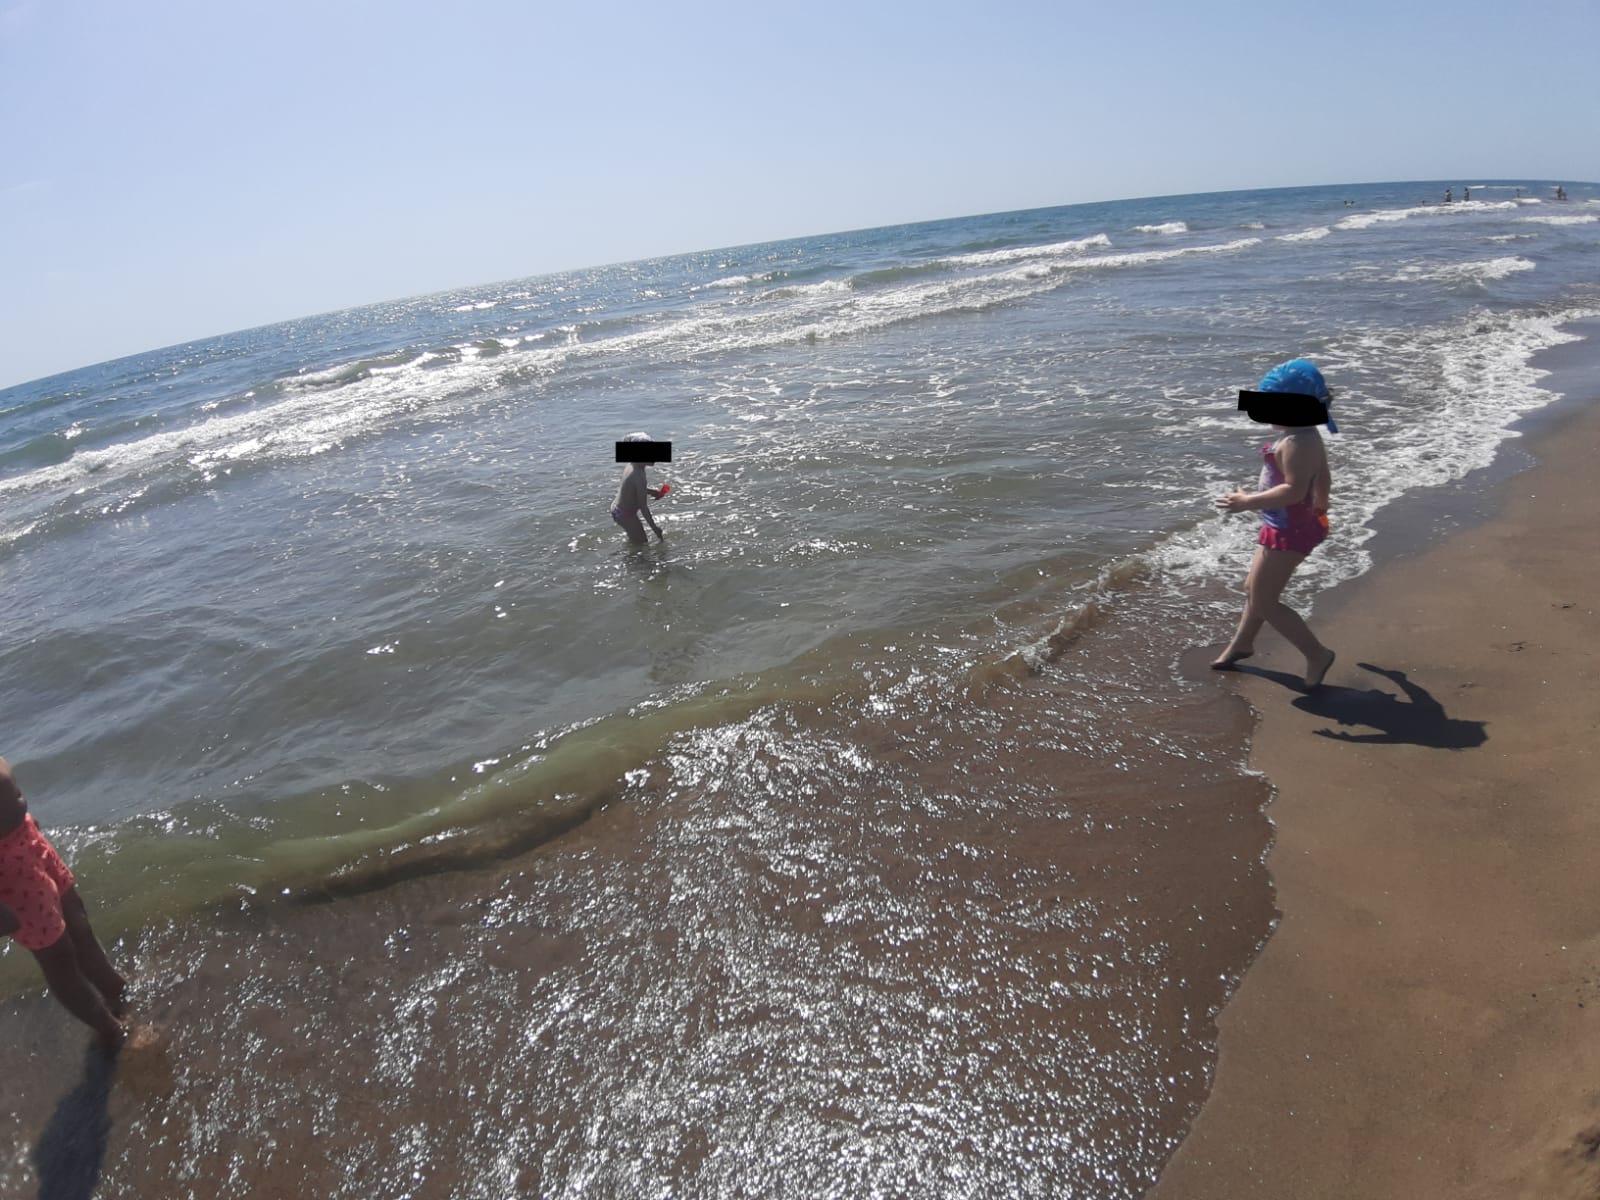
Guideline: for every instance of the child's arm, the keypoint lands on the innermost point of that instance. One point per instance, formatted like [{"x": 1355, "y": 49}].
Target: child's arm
[
  {"x": 8, "y": 922},
  {"x": 1276, "y": 497},
  {"x": 1300, "y": 467},
  {"x": 645, "y": 509}
]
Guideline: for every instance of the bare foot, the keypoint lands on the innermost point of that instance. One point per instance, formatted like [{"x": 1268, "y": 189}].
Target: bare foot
[
  {"x": 1225, "y": 663},
  {"x": 1316, "y": 668}
]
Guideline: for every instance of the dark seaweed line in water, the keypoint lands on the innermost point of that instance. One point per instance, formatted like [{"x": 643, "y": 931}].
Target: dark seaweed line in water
[
  {"x": 519, "y": 828},
  {"x": 936, "y": 943},
  {"x": 587, "y": 769}
]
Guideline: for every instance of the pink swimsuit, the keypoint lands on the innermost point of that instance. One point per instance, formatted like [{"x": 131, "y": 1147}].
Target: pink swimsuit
[
  {"x": 1299, "y": 528},
  {"x": 32, "y": 881}
]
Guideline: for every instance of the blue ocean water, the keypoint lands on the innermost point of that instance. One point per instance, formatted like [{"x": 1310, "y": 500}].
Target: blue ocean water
[
  {"x": 374, "y": 544},
  {"x": 337, "y": 602}
]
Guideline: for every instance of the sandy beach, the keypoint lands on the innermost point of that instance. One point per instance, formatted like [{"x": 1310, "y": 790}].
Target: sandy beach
[{"x": 1425, "y": 1020}]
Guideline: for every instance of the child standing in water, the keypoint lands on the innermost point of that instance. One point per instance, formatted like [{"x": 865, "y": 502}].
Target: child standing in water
[
  {"x": 1293, "y": 502},
  {"x": 633, "y": 498},
  {"x": 40, "y": 907}
]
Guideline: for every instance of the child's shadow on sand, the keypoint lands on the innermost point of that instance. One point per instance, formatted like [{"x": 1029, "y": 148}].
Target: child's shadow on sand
[
  {"x": 72, "y": 1148},
  {"x": 1422, "y": 722}
]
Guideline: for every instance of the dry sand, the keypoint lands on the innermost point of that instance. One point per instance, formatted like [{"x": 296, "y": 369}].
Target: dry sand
[{"x": 1425, "y": 1020}]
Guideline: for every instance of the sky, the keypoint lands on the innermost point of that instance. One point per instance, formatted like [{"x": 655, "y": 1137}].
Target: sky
[{"x": 175, "y": 169}]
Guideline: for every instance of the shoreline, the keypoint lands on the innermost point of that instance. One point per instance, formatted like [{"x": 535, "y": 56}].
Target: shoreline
[
  {"x": 1425, "y": 1019},
  {"x": 540, "y": 982}
]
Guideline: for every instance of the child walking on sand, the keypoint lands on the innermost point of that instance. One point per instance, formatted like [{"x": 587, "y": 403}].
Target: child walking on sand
[
  {"x": 1293, "y": 502},
  {"x": 40, "y": 907},
  {"x": 634, "y": 497}
]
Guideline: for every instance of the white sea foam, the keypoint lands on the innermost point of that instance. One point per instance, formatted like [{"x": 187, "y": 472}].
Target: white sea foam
[
  {"x": 1459, "y": 209},
  {"x": 1578, "y": 219},
  {"x": 987, "y": 258},
  {"x": 1139, "y": 258},
  {"x": 1477, "y": 272},
  {"x": 1383, "y": 216},
  {"x": 1037, "y": 254},
  {"x": 1166, "y": 227},
  {"x": 15, "y": 533},
  {"x": 1479, "y": 365},
  {"x": 301, "y": 425},
  {"x": 813, "y": 311},
  {"x": 323, "y": 408},
  {"x": 1306, "y": 235},
  {"x": 1060, "y": 270},
  {"x": 827, "y": 287}
]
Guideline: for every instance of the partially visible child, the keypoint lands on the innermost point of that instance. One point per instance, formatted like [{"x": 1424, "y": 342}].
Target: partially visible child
[
  {"x": 41, "y": 909},
  {"x": 633, "y": 498}
]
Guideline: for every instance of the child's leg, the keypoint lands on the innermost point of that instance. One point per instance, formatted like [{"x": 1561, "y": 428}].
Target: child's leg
[
  {"x": 1266, "y": 588},
  {"x": 92, "y": 960},
  {"x": 1250, "y": 622},
  {"x": 635, "y": 528},
  {"x": 74, "y": 992},
  {"x": 1270, "y": 579}
]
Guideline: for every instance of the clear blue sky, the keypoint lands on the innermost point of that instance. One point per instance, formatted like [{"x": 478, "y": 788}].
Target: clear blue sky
[{"x": 175, "y": 169}]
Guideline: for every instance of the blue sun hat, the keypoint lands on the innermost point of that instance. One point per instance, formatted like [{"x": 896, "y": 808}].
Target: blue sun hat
[{"x": 1301, "y": 377}]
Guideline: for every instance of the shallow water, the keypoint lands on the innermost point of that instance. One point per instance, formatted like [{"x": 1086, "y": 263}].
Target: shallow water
[{"x": 947, "y": 952}]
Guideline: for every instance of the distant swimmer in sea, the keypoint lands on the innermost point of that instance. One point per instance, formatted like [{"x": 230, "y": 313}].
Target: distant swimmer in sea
[
  {"x": 1449, "y": 195},
  {"x": 1466, "y": 193},
  {"x": 41, "y": 909},
  {"x": 1561, "y": 192},
  {"x": 634, "y": 497},
  {"x": 1293, "y": 502}
]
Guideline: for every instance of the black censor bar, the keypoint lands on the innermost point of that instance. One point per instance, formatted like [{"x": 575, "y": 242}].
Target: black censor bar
[
  {"x": 1283, "y": 408},
  {"x": 644, "y": 452}
]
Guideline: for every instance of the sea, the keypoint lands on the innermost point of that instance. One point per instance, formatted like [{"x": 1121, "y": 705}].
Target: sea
[{"x": 871, "y": 834}]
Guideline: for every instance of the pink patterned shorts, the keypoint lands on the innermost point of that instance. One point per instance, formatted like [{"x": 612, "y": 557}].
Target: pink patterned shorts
[{"x": 32, "y": 881}]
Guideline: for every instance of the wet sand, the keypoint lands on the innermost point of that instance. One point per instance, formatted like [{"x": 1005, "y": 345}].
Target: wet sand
[
  {"x": 957, "y": 951},
  {"x": 1425, "y": 1020}
]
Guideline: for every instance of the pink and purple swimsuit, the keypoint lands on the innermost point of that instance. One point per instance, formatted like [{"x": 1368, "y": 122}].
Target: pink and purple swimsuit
[{"x": 1299, "y": 528}]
